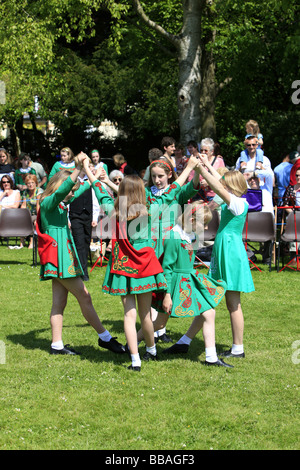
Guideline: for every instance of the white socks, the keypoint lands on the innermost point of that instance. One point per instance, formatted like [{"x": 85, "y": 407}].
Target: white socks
[
  {"x": 136, "y": 360},
  {"x": 211, "y": 354},
  {"x": 237, "y": 349},
  {"x": 151, "y": 350},
  {"x": 57, "y": 345},
  {"x": 159, "y": 333},
  {"x": 184, "y": 340},
  {"x": 105, "y": 336}
]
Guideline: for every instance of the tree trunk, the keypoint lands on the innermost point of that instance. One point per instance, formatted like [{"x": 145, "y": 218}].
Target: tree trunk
[{"x": 189, "y": 63}]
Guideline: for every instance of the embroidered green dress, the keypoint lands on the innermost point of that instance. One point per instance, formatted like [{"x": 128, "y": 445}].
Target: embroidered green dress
[
  {"x": 192, "y": 293},
  {"x": 165, "y": 208},
  {"x": 139, "y": 237},
  {"x": 54, "y": 222}
]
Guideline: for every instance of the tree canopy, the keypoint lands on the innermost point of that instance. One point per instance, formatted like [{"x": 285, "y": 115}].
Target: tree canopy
[{"x": 88, "y": 60}]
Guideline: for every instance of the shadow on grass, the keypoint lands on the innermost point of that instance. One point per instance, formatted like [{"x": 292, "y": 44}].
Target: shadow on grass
[{"x": 32, "y": 341}]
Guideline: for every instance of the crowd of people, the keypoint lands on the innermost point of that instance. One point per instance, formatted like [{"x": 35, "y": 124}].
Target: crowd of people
[{"x": 159, "y": 216}]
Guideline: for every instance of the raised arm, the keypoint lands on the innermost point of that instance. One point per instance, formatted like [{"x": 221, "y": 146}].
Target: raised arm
[{"x": 213, "y": 179}]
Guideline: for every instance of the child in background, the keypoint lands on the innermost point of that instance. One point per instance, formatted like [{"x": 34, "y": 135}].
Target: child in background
[
  {"x": 66, "y": 162},
  {"x": 252, "y": 129},
  {"x": 59, "y": 259}
]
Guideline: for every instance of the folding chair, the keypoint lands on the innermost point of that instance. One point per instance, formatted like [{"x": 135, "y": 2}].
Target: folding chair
[
  {"x": 97, "y": 232},
  {"x": 259, "y": 227},
  {"x": 290, "y": 234},
  {"x": 18, "y": 223},
  {"x": 210, "y": 233}
]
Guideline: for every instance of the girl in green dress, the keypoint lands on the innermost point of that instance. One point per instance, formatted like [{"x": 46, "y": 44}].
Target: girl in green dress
[
  {"x": 229, "y": 258},
  {"x": 166, "y": 201},
  {"x": 189, "y": 293},
  {"x": 133, "y": 270},
  {"x": 60, "y": 262},
  {"x": 66, "y": 162}
]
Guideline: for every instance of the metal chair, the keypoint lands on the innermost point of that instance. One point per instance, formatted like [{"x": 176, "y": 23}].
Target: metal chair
[
  {"x": 260, "y": 227},
  {"x": 291, "y": 234},
  {"x": 210, "y": 233},
  {"x": 18, "y": 223}
]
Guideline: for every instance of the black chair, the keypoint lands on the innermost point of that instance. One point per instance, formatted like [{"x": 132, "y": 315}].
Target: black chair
[
  {"x": 291, "y": 234},
  {"x": 260, "y": 227},
  {"x": 18, "y": 223},
  {"x": 210, "y": 234}
]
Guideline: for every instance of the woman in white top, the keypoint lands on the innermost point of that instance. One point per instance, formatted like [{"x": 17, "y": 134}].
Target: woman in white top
[{"x": 9, "y": 198}]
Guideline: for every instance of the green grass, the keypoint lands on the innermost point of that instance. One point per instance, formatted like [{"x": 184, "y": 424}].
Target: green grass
[{"x": 93, "y": 402}]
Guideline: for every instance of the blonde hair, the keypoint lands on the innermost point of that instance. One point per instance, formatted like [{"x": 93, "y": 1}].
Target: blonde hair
[
  {"x": 222, "y": 170},
  {"x": 119, "y": 159},
  {"x": 252, "y": 127},
  {"x": 235, "y": 182},
  {"x": 69, "y": 151},
  {"x": 196, "y": 217},
  {"x": 131, "y": 199},
  {"x": 56, "y": 181}
]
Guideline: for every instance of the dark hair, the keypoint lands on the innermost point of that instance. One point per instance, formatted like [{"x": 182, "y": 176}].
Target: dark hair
[
  {"x": 166, "y": 141},
  {"x": 9, "y": 179}
]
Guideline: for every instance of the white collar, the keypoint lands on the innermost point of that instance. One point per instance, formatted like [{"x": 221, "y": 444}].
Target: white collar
[
  {"x": 188, "y": 237},
  {"x": 158, "y": 192}
]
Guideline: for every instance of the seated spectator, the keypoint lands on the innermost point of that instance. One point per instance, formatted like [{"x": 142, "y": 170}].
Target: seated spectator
[
  {"x": 6, "y": 166},
  {"x": 10, "y": 198},
  {"x": 122, "y": 165},
  {"x": 295, "y": 160},
  {"x": 267, "y": 201},
  {"x": 291, "y": 197},
  {"x": 66, "y": 162},
  {"x": 180, "y": 159},
  {"x": 30, "y": 200},
  {"x": 153, "y": 154},
  {"x": 96, "y": 160},
  {"x": 22, "y": 171}
]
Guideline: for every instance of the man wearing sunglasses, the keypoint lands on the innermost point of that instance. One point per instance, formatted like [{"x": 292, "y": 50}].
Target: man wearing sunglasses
[{"x": 265, "y": 174}]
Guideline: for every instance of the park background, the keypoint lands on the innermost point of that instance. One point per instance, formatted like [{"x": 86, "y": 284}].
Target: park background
[
  {"x": 88, "y": 61},
  {"x": 189, "y": 69}
]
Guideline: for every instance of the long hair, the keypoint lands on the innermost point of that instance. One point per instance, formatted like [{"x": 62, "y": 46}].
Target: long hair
[
  {"x": 55, "y": 182},
  {"x": 131, "y": 200}
]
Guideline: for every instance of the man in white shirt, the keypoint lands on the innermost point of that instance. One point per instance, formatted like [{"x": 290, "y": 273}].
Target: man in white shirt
[{"x": 266, "y": 174}]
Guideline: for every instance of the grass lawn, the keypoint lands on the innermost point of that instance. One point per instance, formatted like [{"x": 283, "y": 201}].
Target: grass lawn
[{"x": 92, "y": 401}]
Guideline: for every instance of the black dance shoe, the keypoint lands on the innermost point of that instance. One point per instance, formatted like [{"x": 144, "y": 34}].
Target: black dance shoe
[
  {"x": 177, "y": 349},
  {"x": 65, "y": 350},
  {"x": 230, "y": 354},
  {"x": 112, "y": 345},
  {"x": 218, "y": 363}
]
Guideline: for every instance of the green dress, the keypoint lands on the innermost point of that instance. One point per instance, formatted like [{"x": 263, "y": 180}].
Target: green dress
[
  {"x": 54, "y": 222},
  {"x": 229, "y": 259},
  {"x": 118, "y": 284},
  {"x": 21, "y": 174},
  {"x": 192, "y": 293},
  {"x": 165, "y": 208},
  {"x": 61, "y": 166}
]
